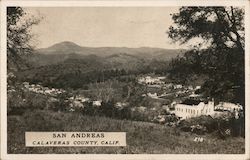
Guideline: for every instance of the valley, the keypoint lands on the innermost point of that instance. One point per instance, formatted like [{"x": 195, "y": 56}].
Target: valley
[{"x": 123, "y": 84}]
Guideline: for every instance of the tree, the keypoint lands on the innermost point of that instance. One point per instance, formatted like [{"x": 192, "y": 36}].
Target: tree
[
  {"x": 220, "y": 53},
  {"x": 218, "y": 24},
  {"x": 18, "y": 34}
]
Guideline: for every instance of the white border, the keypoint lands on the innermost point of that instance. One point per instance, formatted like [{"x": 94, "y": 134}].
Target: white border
[{"x": 141, "y": 3}]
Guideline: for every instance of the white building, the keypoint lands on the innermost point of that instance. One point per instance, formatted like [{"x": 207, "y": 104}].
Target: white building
[
  {"x": 178, "y": 86},
  {"x": 121, "y": 104},
  {"x": 97, "y": 103},
  {"x": 185, "y": 111},
  {"x": 190, "y": 87},
  {"x": 197, "y": 87},
  {"x": 154, "y": 95},
  {"x": 193, "y": 95},
  {"x": 151, "y": 80},
  {"x": 161, "y": 78},
  {"x": 227, "y": 106},
  {"x": 82, "y": 98}
]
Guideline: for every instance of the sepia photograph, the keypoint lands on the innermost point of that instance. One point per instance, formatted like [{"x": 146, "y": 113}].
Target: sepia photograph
[{"x": 126, "y": 79}]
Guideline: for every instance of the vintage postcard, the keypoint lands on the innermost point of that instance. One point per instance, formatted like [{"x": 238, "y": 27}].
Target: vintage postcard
[{"x": 125, "y": 80}]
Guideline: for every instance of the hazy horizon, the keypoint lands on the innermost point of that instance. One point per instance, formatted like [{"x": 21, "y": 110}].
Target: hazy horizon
[
  {"x": 110, "y": 46},
  {"x": 131, "y": 27}
]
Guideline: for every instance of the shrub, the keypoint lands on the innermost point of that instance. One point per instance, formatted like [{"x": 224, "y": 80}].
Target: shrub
[{"x": 225, "y": 125}]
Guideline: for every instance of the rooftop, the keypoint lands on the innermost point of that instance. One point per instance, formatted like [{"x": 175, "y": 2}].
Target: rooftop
[{"x": 191, "y": 102}]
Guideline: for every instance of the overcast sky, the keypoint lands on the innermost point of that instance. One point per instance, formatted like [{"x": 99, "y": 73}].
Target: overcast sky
[{"x": 104, "y": 26}]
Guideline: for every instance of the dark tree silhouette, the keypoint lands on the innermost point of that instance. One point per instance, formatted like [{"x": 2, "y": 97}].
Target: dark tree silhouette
[
  {"x": 18, "y": 34},
  {"x": 220, "y": 54}
]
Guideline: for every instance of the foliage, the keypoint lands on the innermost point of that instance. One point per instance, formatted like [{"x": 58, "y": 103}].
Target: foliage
[
  {"x": 18, "y": 34},
  {"x": 220, "y": 55},
  {"x": 18, "y": 101},
  {"x": 217, "y": 125},
  {"x": 220, "y": 25},
  {"x": 76, "y": 74}
]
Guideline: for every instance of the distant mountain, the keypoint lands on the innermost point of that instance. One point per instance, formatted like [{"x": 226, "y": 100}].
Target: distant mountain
[
  {"x": 70, "y": 47},
  {"x": 115, "y": 55},
  {"x": 62, "y": 48},
  {"x": 67, "y": 64}
]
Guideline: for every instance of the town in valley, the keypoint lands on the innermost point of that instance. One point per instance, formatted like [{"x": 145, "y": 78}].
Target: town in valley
[{"x": 171, "y": 78}]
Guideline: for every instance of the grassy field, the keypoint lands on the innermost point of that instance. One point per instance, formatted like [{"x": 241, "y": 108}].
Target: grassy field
[{"x": 142, "y": 137}]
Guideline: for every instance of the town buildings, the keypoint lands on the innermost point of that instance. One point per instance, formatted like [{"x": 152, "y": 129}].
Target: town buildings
[
  {"x": 194, "y": 108},
  {"x": 151, "y": 80},
  {"x": 42, "y": 90},
  {"x": 227, "y": 106}
]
